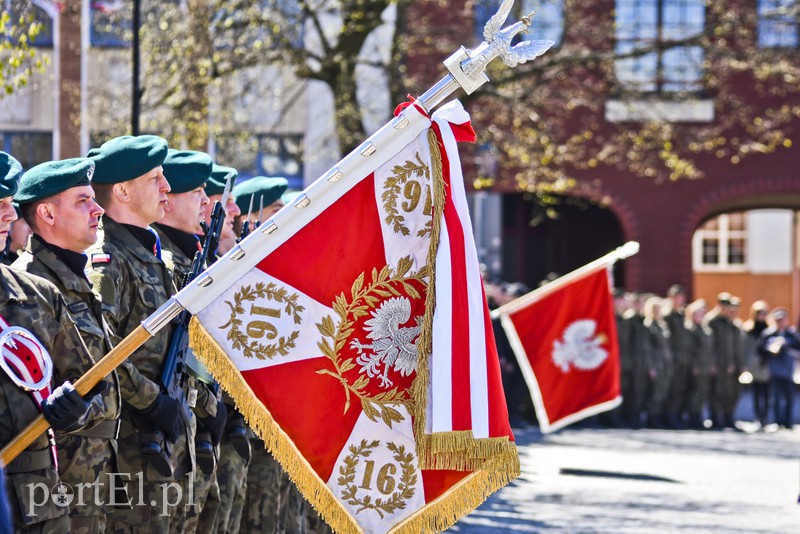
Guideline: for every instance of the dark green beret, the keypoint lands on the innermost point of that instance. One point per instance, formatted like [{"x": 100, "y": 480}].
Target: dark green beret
[
  {"x": 127, "y": 157},
  {"x": 290, "y": 196},
  {"x": 186, "y": 170},
  {"x": 220, "y": 175},
  {"x": 53, "y": 177},
  {"x": 10, "y": 171},
  {"x": 260, "y": 189}
]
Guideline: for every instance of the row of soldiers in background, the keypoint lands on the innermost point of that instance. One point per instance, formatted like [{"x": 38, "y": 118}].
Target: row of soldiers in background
[
  {"x": 112, "y": 238},
  {"x": 682, "y": 362}
]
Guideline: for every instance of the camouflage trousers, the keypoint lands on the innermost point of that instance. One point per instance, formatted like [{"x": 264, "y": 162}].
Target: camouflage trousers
[
  {"x": 158, "y": 504},
  {"x": 87, "y": 524},
  {"x": 59, "y": 525},
  {"x": 202, "y": 513},
  {"x": 232, "y": 479},
  {"x": 273, "y": 504},
  {"x": 698, "y": 393},
  {"x": 724, "y": 393}
]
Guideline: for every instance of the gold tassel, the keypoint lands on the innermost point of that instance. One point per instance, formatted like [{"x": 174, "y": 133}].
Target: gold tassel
[{"x": 275, "y": 439}]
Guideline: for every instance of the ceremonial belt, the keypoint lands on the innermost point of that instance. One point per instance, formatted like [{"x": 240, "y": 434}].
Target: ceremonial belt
[
  {"x": 108, "y": 429},
  {"x": 28, "y": 364}
]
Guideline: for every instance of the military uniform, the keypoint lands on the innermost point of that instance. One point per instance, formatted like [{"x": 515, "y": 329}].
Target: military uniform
[
  {"x": 659, "y": 364},
  {"x": 82, "y": 457},
  {"x": 677, "y": 400},
  {"x": 234, "y": 458},
  {"x": 133, "y": 282},
  {"x": 637, "y": 348},
  {"x": 36, "y": 305},
  {"x": 726, "y": 349},
  {"x": 698, "y": 344}
]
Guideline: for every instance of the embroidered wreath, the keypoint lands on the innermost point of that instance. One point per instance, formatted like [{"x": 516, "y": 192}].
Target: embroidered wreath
[
  {"x": 250, "y": 347},
  {"x": 391, "y": 191},
  {"x": 383, "y": 284},
  {"x": 397, "y": 500}
]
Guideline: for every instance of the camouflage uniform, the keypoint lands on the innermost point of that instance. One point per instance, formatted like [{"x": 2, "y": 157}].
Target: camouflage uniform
[
  {"x": 201, "y": 516},
  {"x": 677, "y": 401},
  {"x": 699, "y": 346},
  {"x": 36, "y": 305},
  {"x": 659, "y": 359},
  {"x": 274, "y": 504},
  {"x": 727, "y": 359},
  {"x": 232, "y": 479},
  {"x": 89, "y": 457},
  {"x": 133, "y": 283},
  {"x": 627, "y": 367}
]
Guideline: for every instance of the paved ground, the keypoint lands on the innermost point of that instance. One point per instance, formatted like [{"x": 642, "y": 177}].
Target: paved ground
[{"x": 611, "y": 480}]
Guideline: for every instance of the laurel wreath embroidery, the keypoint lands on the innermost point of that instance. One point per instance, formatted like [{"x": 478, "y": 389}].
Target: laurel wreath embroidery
[
  {"x": 364, "y": 297},
  {"x": 250, "y": 347},
  {"x": 391, "y": 191},
  {"x": 398, "y": 498}
]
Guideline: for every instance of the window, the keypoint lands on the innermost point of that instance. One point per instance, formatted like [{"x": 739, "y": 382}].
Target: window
[
  {"x": 548, "y": 23},
  {"x": 30, "y": 148},
  {"x": 720, "y": 244},
  {"x": 112, "y": 23},
  {"x": 32, "y": 13},
  {"x": 263, "y": 155},
  {"x": 777, "y": 23},
  {"x": 649, "y": 26}
]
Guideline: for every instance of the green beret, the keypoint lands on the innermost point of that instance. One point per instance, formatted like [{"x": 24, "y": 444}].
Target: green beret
[
  {"x": 290, "y": 196},
  {"x": 220, "y": 175},
  {"x": 127, "y": 157},
  {"x": 261, "y": 189},
  {"x": 53, "y": 177},
  {"x": 186, "y": 170},
  {"x": 10, "y": 171}
]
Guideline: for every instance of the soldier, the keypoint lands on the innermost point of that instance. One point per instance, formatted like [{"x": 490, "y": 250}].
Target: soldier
[
  {"x": 659, "y": 361},
  {"x": 17, "y": 238},
  {"x": 258, "y": 199},
  {"x": 234, "y": 448},
  {"x": 35, "y": 304},
  {"x": 627, "y": 363},
  {"x": 187, "y": 172},
  {"x": 725, "y": 367},
  {"x": 57, "y": 201},
  {"x": 755, "y": 361},
  {"x": 698, "y": 344},
  {"x": 221, "y": 177},
  {"x": 677, "y": 401},
  {"x": 637, "y": 342},
  {"x": 134, "y": 278}
]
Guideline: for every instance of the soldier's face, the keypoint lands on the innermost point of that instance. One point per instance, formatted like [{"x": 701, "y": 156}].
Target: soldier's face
[
  {"x": 186, "y": 210},
  {"x": 7, "y": 216},
  {"x": 148, "y": 194},
  {"x": 269, "y": 211},
  {"x": 76, "y": 216}
]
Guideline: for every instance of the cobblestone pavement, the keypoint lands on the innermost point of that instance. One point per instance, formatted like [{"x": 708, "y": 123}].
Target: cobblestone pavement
[{"x": 613, "y": 480}]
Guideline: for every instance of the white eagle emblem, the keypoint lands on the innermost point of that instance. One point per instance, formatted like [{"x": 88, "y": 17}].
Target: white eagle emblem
[
  {"x": 392, "y": 345},
  {"x": 580, "y": 347}
]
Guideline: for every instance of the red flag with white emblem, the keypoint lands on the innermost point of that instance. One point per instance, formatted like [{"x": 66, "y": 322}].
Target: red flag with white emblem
[
  {"x": 352, "y": 331},
  {"x": 564, "y": 336}
]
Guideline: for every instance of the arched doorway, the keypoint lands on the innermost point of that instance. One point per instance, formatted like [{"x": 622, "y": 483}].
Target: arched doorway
[{"x": 539, "y": 239}]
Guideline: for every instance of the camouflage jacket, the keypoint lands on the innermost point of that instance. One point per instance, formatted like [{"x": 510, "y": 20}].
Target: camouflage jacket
[
  {"x": 205, "y": 403},
  {"x": 132, "y": 283},
  {"x": 36, "y": 305}
]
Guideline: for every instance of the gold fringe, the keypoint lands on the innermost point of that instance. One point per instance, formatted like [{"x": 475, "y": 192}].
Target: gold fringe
[
  {"x": 275, "y": 439},
  {"x": 444, "y": 450},
  {"x": 462, "y": 498}
]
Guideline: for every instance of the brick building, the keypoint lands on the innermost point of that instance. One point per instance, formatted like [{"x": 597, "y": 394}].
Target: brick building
[{"x": 735, "y": 229}]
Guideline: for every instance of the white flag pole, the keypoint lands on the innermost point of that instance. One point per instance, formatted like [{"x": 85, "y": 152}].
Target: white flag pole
[{"x": 628, "y": 249}]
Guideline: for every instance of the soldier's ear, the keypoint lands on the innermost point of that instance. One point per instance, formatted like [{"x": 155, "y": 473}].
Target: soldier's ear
[
  {"x": 44, "y": 213},
  {"x": 120, "y": 192}
]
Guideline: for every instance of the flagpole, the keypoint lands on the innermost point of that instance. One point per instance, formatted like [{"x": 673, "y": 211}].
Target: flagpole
[{"x": 625, "y": 251}]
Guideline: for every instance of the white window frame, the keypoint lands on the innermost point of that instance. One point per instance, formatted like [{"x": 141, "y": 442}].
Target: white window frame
[{"x": 723, "y": 234}]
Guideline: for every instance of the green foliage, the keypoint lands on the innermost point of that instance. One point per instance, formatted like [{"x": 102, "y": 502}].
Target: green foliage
[{"x": 18, "y": 60}]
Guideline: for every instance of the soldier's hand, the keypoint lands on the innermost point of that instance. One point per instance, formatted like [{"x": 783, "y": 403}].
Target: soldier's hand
[
  {"x": 65, "y": 408},
  {"x": 165, "y": 413},
  {"x": 216, "y": 424}
]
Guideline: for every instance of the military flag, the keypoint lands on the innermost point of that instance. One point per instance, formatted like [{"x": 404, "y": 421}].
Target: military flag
[
  {"x": 354, "y": 336},
  {"x": 564, "y": 336}
]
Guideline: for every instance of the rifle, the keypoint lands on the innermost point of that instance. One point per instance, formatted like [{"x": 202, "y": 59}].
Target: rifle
[
  {"x": 174, "y": 362},
  {"x": 246, "y": 224}
]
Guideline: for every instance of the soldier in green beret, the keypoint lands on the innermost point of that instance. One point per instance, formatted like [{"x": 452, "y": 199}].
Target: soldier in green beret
[
  {"x": 187, "y": 172},
  {"x": 258, "y": 198},
  {"x": 17, "y": 238},
  {"x": 57, "y": 200},
  {"x": 221, "y": 178},
  {"x": 36, "y": 305},
  {"x": 134, "y": 278}
]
